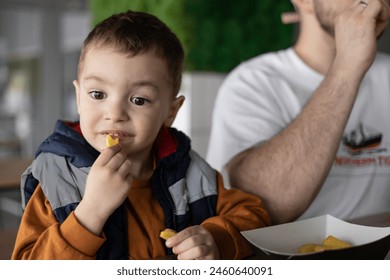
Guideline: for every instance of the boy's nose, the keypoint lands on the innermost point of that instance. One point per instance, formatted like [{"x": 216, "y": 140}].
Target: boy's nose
[{"x": 117, "y": 112}]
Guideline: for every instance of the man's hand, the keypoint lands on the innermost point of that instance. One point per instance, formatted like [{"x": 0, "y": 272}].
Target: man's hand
[
  {"x": 356, "y": 33},
  {"x": 108, "y": 184},
  {"x": 194, "y": 243}
]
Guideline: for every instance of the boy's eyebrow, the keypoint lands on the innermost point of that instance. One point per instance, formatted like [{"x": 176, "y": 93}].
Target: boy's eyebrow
[
  {"x": 141, "y": 83},
  {"x": 146, "y": 84}
]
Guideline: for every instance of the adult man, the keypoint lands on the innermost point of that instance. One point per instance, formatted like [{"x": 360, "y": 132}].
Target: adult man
[{"x": 279, "y": 117}]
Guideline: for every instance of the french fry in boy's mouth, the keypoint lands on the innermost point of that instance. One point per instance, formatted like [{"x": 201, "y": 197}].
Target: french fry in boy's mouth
[
  {"x": 167, "y": 233},
  {"x": 111, "y": 141}
]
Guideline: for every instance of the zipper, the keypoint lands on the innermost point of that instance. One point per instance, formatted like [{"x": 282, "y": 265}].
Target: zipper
[{"x": 169, "y": 198}]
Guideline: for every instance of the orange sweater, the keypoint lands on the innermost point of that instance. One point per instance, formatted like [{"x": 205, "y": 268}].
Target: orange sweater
[{"x": 40, "y": 236}]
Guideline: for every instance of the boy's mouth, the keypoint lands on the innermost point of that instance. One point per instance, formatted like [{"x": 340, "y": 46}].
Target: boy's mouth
[
  {"x": 113, "y": 135},
  {"x": 116, "y": 134}
]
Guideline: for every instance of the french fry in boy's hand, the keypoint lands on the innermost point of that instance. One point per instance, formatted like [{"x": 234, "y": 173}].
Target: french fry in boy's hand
[
  {"x": 167, "y": 233},
  {"x": 111, "y": 141}
]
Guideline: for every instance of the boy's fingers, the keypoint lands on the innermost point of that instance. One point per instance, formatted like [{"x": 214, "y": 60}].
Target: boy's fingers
[
  {"x": 192, "y": 236},
  {"x": 107, "y": 154},
  {"x": 125, "y": 168},
  {"x": 180, "y": 236}
]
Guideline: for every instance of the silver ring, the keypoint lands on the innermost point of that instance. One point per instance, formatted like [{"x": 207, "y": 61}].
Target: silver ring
[{"x": 364, "y": 4}]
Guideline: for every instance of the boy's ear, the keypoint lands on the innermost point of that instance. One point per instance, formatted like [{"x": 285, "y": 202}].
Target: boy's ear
[
  {"x": 77, "y": 90},
  {"x": 175, "y": 106}
]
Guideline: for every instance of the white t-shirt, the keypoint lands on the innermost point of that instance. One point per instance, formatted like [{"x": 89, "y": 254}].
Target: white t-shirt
[{"x": 264, "y": 94}]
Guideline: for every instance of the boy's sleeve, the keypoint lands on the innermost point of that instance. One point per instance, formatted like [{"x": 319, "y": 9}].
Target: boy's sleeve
[
  {"x": 40, "y": 236},
  {"x": 236, "y": 211}
]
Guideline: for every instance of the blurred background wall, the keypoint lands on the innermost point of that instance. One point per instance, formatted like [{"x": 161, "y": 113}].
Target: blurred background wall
[{"x": 40, "y": 42}]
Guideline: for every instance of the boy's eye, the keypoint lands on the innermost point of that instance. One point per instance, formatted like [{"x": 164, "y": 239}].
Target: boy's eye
[
  {"x": 97, "y": 95},
  {"x": 139, "y": 101}
]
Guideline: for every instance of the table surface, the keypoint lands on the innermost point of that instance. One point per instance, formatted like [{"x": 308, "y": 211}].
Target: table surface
[
  {"x": 7, "y": 237},
  {"x": 10, "y": 171},
  {"x": 7, "y": 241}
]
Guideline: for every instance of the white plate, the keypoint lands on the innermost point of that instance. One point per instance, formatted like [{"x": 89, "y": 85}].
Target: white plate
[{"x": 285, "y": 239}]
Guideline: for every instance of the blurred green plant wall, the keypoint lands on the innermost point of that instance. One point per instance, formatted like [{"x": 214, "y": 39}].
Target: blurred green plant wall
[{"x": 216, "y": 34}]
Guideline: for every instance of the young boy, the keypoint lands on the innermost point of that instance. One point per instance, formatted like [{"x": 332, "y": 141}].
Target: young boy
[{"x": 84, "y": 200}]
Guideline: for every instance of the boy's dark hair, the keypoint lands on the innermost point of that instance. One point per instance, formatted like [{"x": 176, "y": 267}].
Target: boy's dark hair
[{"x": 132, "y": 33}]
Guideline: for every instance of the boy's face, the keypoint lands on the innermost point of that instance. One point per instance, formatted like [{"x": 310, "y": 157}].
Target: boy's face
[{"x": 128, "y": 97}]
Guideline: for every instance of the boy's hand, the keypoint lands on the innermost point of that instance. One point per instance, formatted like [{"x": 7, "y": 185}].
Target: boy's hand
[
  {"x": 194, "y": 243},
  {"x": 108, "y": 184}
]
